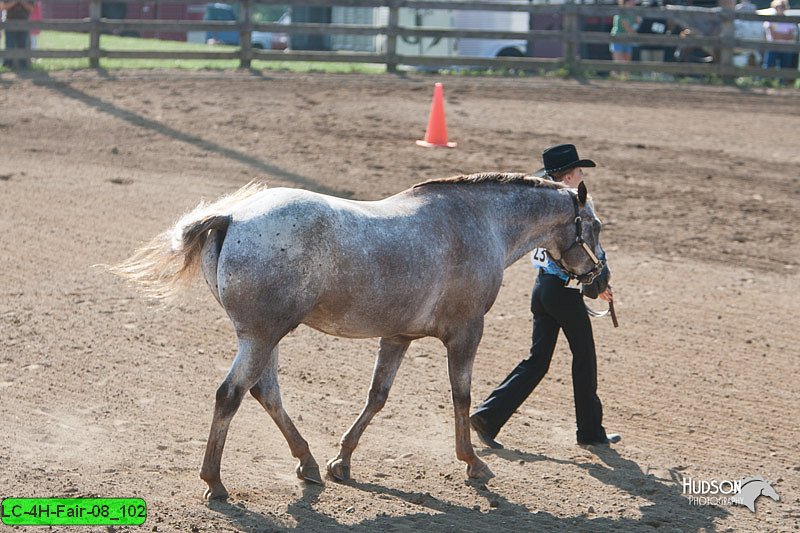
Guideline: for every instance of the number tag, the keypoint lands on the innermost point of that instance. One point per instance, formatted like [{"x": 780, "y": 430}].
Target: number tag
[{"x": 539, "y": 258}]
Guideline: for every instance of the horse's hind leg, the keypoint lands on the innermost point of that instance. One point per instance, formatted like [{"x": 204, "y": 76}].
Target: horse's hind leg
[
  {"x": 268, "y": 394},
  {"x": 390, "y": 356},
  {"x": 243, "y": 374}
]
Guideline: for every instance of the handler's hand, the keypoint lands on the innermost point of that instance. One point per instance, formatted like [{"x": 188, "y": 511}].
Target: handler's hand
[{"x": 607, "y": 294}]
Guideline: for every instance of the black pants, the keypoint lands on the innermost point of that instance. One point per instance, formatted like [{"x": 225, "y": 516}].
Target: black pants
[
  {"x": 19, "y": 40},
  {"x": 554, "y": 308}
]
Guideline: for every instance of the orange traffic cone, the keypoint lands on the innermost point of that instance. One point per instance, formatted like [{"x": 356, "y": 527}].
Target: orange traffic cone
[{"x": 436, "y": 134}]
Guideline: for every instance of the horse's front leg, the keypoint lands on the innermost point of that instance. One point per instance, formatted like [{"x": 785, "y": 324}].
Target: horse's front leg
[
  {"x": 390, "y": 356},
  {"x": 461, "y": 349}
]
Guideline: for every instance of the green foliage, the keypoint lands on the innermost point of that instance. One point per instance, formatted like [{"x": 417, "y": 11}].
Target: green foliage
[
  {"x": 561, "y": 72},
  {"x": 748, "y": 82},
  {"x": 52, "y": 40}
]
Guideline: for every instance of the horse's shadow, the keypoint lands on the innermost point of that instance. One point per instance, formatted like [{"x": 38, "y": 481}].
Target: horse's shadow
[
  {"x": 668, "y": 506},
  {"x": 435, "y": 514}
]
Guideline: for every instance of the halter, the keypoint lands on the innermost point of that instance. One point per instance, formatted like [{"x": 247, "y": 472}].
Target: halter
[{"x": 588, "y": 277}]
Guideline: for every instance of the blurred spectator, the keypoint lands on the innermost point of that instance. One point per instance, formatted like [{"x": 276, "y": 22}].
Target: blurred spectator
[
  {"x": 702, "y": 27},
  {"x": 36, "y": 14},
  {"x": 746, "y": 6},
  {"x": 752, "y": 30},
  {"x": 692, "y": 54},
  {"x": 17, "y": 10},
  {"x": 779, "y": 32},
  {"x": 653, "y": 25},
  {"x": 623, "y": 24}
]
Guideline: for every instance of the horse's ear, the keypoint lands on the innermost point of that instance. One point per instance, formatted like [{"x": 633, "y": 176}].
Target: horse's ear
[{"x": 582, "y": 193}]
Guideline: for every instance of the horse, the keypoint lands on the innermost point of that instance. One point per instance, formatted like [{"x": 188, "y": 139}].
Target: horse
[
  {"x": 752, "y": 489},
  {"x": 428, "y": 261}
]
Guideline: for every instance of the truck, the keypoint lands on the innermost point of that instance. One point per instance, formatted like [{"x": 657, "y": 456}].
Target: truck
[
  {"x": 133, "y": 10},
  {"x": 258, "y": 39}
]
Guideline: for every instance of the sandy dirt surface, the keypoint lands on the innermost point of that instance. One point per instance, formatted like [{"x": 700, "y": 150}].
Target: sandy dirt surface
[{"x": 104, "y": 394}]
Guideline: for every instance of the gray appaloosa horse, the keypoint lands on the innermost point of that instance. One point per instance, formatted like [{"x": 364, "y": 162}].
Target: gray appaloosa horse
[
  {"x": 751, "y": 489},
  {"x": 428, "y": 261}
]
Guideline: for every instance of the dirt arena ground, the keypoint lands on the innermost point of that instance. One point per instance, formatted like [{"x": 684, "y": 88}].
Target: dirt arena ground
[{"x": 104, "y": 394}]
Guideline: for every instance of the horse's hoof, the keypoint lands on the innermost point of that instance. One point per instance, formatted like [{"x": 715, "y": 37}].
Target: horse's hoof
[
  {"x": 480, "y": 471},
  {"x": 338, "y": 470},
  {"x": 309, "y": 473},
  {"x": 216, "y": 493}
]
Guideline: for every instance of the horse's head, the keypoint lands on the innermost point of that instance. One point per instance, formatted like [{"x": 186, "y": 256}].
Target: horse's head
[
  {"x": 581, "y": 255},
  {"x": 751, "y": 489},
  {"x": 768, "y": 491}
]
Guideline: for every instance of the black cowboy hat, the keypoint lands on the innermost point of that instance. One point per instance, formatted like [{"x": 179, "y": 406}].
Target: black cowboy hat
[{"x": 561, "y": 157}]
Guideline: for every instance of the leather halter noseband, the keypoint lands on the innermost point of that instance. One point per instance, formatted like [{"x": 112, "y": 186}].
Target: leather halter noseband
[{"x": 588, "y": 277}]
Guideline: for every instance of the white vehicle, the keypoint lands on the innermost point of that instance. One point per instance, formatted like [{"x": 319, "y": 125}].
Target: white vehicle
[
  {"x": 512, "y": 21},
  {"x": 434, "y": 19},
  {"x": 409, "y": 18},
  {"x": 516, "y": 21},
  {"x": 426, "y": 46},
  {"x": 491, "y": 20}
]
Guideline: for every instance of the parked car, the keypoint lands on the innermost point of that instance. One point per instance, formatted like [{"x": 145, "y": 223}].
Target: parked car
[
  {"x": 280, "y": 40},
  {"x": 258, "y": 39}
]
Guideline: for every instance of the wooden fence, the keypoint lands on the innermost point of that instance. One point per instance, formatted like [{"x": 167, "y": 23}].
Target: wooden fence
[{"x": 571, "y": 37}]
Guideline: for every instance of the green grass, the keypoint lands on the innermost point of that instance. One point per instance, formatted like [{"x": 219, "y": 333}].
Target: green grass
[{"x": 53, "y": 40}]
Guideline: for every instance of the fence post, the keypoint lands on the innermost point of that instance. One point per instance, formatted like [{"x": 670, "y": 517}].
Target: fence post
[
  {"x": 570, "y": 29},
  {"x": 94, "y": 33},
  {"x": 531, "y": 27},
  {"x": 245, "y": 34},
  {"x": 391, "y": 37},
  {"x": 727, "y": 38}
]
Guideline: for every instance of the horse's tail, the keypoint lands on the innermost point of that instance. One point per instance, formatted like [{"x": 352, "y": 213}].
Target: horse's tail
[{"x": 171, "y": 260}]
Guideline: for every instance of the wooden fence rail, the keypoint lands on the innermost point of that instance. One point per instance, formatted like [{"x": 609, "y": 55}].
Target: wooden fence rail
[{"x": 570, "y": 35}]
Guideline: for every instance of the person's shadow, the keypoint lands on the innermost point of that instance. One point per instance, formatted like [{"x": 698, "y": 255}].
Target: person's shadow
[{"x": 668, "y": 507}]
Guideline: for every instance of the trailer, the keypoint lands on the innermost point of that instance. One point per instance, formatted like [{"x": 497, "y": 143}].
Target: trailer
[{"x": 134, "y": 10}]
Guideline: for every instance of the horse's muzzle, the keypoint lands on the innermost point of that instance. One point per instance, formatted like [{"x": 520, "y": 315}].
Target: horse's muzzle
[{"x": 598, "y": 284}]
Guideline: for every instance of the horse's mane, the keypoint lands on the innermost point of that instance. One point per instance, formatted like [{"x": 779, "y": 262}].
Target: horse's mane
[{"x": 495, "y": 177}]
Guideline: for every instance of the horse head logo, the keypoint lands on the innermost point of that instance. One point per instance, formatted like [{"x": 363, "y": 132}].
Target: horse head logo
[{"x": 752, "y": 488}]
